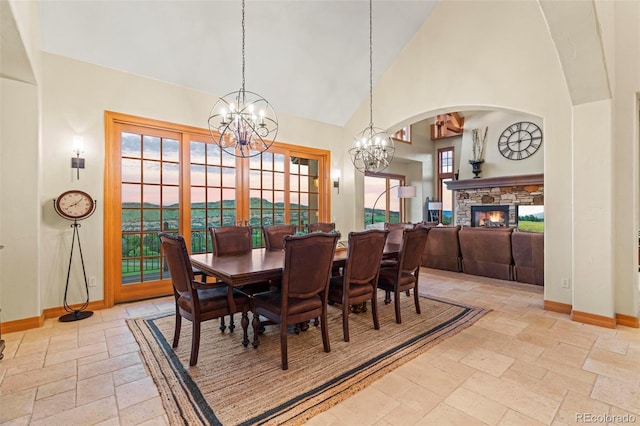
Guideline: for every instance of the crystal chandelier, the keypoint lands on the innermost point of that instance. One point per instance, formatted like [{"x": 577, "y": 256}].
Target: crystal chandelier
[
  {"x": 243, "y": 123},
  {"x": 372, "y": 149}
]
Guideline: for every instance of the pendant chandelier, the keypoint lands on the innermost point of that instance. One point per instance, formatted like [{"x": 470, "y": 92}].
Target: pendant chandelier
[
  {"x": 243, "y": 123},
  {"x": 372, "y": 149}
]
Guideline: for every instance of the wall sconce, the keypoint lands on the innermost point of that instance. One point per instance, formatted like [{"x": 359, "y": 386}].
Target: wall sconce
[
  {"x": 78, "y": 148},
  {"x": 335, "y": 176},
  {"x": 336, "y": 184}
]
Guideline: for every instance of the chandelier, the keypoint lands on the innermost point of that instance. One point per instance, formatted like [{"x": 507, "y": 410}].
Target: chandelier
[
  {"x": 372, "y": 149},
  {"x": 243, "y": 123}
]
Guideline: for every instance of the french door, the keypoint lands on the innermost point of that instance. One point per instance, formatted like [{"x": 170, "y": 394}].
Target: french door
[{"x": 165, "y": 177}]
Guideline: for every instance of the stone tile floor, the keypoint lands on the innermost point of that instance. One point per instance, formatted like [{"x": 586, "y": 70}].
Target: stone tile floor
[{"x": 518, "y": 365}]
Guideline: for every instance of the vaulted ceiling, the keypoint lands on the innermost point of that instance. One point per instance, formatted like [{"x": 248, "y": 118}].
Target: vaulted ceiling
[{"x": 308, "y": 58}]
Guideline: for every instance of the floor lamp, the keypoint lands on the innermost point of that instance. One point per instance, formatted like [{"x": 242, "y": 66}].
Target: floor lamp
[{"x": 403, "y": 192}]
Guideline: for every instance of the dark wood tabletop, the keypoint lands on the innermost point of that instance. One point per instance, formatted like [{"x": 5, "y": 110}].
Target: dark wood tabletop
[{"x": 258, "y": 266}]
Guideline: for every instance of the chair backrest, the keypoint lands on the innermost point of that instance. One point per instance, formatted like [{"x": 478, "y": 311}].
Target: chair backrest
[
  {"x": 177, "y": 257},
  {"x": 274, "y": 235},
  {"x": 411, "y": 249},
  {"x": 321, "y": 227},
  {"x": 364, "y": 255},
  {"x": 396, "y": 229},
  {"x": 307, "y": 264},
  {"x": 229, "y": 240}
]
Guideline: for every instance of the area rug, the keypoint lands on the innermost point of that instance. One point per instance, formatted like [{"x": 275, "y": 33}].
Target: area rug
[{"x": 234, "y": 385}]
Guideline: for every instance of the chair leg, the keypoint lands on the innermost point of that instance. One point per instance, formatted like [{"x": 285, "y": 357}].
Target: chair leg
[
  {"x": 396, "y": 300},
  {"x": 176, "y": 332},
  {"x": 232, "y": 324},
  {"x": 195, "y": 343},
  {"x": 245, "y": 326},
  {"x": 416, "y": 298},
  {"x": 387, "y": 297},
  {"x": 345, "y": 319},
  {"x": 325, "y": 330},
  {"x": 223, "y": 327},
  {"x": 374, "y": 311},
  {"x": 283, "y": 347}
]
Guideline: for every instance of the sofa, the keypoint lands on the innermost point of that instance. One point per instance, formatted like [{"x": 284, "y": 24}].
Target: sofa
[
  {"x": 528, "y": 257},
  {"x": 442, "y": 250},
  {"x": 486, "y": 252}
]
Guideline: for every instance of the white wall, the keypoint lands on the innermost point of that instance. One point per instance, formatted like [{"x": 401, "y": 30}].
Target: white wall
[{"x": 75, "y": 96}]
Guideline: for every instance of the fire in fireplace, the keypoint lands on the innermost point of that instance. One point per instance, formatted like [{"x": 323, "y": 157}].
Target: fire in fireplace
[{"x": 490, "y": 216}]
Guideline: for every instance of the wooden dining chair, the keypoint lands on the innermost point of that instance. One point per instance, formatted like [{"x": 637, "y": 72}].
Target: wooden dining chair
[
  {"x": 359, "y": 282},
  {"x": 404, "y": 275},
  {"x": 303, "y": 293},
  {"x": 229, "y": 241},
  {"x": 195, "y": 300},
  {"x": 274, "y": 235},
  {"x": 320, "y": 227}
]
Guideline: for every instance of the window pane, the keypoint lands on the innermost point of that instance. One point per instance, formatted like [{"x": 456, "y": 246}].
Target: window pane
[
  {"x": 131, "y": 144},
  {"x": 151, "y": 147},
  {"x": 151, "y": 171},
  {"x": 170, "y": 173},
  {"x": 131, "y": 170},
  {"x": 170, "y": 150}
]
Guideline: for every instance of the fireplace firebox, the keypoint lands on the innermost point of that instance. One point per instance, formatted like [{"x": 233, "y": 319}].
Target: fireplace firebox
[{"x": 490, "y": 216}]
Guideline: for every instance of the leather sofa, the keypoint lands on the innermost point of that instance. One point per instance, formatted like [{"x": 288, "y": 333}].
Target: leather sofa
[
  {"x": 442, "y": 250},
  {"x": 528, "y": 257},
  {"x": 486, "y": 252}
]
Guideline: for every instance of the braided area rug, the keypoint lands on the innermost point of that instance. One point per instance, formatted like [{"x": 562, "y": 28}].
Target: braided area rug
[{"x": 234, "y": 385}]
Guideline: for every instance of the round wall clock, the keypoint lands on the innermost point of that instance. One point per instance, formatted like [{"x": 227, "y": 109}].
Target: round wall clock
[
  {"x": 74, "y": 205},
  {"x": 520, "y": 140}
]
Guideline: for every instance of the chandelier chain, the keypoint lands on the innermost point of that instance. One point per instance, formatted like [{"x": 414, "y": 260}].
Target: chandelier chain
[
  {"x": 370, "y": 63},
  {"x": 243, "y": 46}
]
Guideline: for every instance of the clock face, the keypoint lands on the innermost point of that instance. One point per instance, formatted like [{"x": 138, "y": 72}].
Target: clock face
[
  {"x": 74, "y": 205},
  {"x": 520, "y": 140}
]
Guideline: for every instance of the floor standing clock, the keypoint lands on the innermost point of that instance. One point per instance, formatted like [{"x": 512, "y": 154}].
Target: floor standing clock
[{"x": 75, "y": 205}]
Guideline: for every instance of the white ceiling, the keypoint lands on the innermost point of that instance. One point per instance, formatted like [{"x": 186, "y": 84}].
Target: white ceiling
[{"x": 309, "y": 58}]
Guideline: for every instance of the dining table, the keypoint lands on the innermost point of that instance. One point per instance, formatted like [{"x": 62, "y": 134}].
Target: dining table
[{"x": 261, "y": 264}]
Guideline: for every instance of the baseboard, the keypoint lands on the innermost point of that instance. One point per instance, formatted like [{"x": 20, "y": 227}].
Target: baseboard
[
  {"x": 562, "y": 308},
  {"x": 587, "y": 318},
  {"x": 628, "y": 320},
  {"x": 23, "y": 324},
  {"x": 35, "y": 322}
]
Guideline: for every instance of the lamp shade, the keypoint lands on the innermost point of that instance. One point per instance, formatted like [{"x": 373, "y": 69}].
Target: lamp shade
[
  {"x": 406, "y": 191},
  {"x": 434, "y": 205}
]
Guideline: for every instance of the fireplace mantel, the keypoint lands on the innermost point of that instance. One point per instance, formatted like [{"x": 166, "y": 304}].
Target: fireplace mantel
[{"x": 493, "y": 182}]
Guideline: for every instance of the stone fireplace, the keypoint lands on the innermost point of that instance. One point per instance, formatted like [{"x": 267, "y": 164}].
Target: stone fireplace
[
  {"x": 495, "y": 193},
  {"x": 490, "y": 216}
]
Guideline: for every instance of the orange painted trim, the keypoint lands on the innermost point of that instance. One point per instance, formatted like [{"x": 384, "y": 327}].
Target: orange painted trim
[
  {"x": 23, "y": 324},
  {"x": 36, "y": 322},
  {"x": 628, "y": 320},
  {"x": 587, "y": 318},
  {"x": 562, "y": 308}
]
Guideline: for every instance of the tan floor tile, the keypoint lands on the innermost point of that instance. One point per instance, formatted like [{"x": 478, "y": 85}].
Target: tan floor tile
[
  {"x": 17, "y": 404},
  {"x": 572, "y": 371},
  {"x": 95, "y": 388},
  {"x": 108, "y": 365},
  {"x": 114, "y": 421},
  {"x": 445, "y": 415},
  {"x": 611, "y": 344},
  {"x": 157, "y": 421},
  {"x": 54, "y": 404},
  {"x": 366, "y": 407},
  {"x": 514, "y": 396},
  {"x": 513, "y": 418},
  {"x": 54, "y": 388},
  {"x": 32, "y": 347},
  {"x": 76, "y": 353},
  {"x": 402, "y": 415},
  {"x": 565, "y": 354},
  {"x": 617, "y": 393},
  {"x": 528, "y": 369},
  {"x": 135, "y": 392},
  {"x": 569, "y": 383},
  {"x": 21, "y": 364},
  {"x": 20, "y": 421},
  {"x": 327, "y": 418},
  {"x": 129, "y": 374},
  {"x": 488, "y": 361},
  {"x": 93, "y": 358},
  {"x": 431, "y": 378},
  {"x": 92, "y": 413},
  {"x": 115, "y": 331},
  {"x": 85, "y": 339},
  {"x": 150, "y": 409},
  {"x": 123, "y": 349},
  {"x": 549, "y": 389},
  {"x": 38, "y": 377},
  {"x": 476, "y": 405},
  {"x": 575, "y": 407},
  {"x": 452, "y": 367}
]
